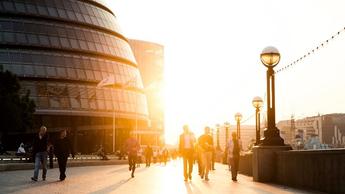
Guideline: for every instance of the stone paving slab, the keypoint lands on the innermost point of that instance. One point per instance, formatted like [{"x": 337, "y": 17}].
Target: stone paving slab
[{"x": 157, "y": 179}]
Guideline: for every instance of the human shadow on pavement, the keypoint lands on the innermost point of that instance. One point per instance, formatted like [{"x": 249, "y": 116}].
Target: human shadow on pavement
[
  {"x": 125, "y": 169},
  {"x": 112, "y": 187}
]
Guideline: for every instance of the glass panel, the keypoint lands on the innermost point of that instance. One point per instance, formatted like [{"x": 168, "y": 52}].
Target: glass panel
[
  {"x": 51, "y": 71},
  {"x": 65, "y": 42},
  {"x": 40, "y": 70},
  {"x": 54, "y": 41},
  {"x": 44, "y": 40},
  {"x": 31, "y": 8},
  {"x": 90, "y": 75},
  {"x": 21, "y": 38},
  {"x": 71, "y": 73},
  {"x": 52, "y": 12},
  {"x": 28, "y": 70},
  {"x": 42, "y": 10},
  {"x": 33, "y": 39},
  {"x": 20, "y": 7},
  {"x": 17, "y": 69},
  {"x": 61, "y": 72},
  {"x": 81, "y": 74}
]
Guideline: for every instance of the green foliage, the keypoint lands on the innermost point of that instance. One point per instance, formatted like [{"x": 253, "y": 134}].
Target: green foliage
[{"x": 16, "y": 111}]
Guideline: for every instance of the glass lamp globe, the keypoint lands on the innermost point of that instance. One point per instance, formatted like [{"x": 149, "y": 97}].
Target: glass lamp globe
[
  {"x": 257, "y": 102},
  {"x": 238, "y": 116},
  {"x": 270, "y": 56}
]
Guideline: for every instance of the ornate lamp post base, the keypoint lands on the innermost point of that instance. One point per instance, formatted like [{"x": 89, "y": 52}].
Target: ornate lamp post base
[{"x": 272, "y": 138}]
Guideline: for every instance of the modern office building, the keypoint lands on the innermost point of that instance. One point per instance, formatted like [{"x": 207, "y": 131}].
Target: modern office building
[
  {"x": 150, "y": 59},
  {"x": 60, "y": 50},
  {"x": 328, "y": 128}
]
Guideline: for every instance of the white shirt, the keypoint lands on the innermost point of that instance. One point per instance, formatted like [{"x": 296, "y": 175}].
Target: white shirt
[
  {"x": 188, "y": 139},
  {"x": 21, "y": 150},
  {"x": 231, "y": 147}
]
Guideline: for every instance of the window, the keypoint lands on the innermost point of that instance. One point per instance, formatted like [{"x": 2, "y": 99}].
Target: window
[
  {"x": 51, "y": 71},
  {"x": 54, "y": 41},
  {"x": 61, "y": 72},
  {"x": 28, "y": 70},
  {"x": 65, "y": 42},
  {"x": 52, "y": 12},
  {"x": 42, "y": 10},
  {"x": 33, "y": 39},
  {"x": 71, "y": 73},
  {"x": 21, "y": 38},
  {"x": 31, "y": 8},
  {"x": 40, "y": 71},
  {"x": 62, "y": 13},
  {"x": 43, "y": 40},
  {"x": 20, "y": 7},
  {"x": 8, "y": 5}
]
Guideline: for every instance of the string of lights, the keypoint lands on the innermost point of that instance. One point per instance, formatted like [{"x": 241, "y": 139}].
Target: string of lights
[{"x": 312, "y": 51}]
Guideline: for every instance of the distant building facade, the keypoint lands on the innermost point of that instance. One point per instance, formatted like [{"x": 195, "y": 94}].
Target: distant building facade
[
  {"x": 328, "y": 129},
  {"x": 248, "y": 135},
  {"x": 150, "y": 59}
]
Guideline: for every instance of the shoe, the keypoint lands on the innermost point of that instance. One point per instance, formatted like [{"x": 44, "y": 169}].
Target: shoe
[
  {"x": 34, "y": 179},
  {"x": 44, "y": 178},
  {"x": 132, "y": 175},
  {"x": 206, "y": 179},
  {"x": 130, "y": 168},
  {"x": 234, "y": 179},
  {"x": 190, "y": 177}
]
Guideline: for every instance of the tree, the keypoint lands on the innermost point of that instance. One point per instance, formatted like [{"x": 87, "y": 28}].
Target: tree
[{"x": 16, "y": 110}]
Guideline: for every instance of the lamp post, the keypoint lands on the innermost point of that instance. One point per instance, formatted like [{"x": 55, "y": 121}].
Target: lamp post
[
  {"x": 218, "y": 146},
  {"x": 270, "y": 57},
  {"x": 227, "y": 126},
  {"x": 238, "y": 117},
  {"x": 257, "y": 103}
]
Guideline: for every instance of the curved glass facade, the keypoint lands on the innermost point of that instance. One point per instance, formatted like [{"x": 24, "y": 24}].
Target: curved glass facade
[{"x": 60, "y": 50}]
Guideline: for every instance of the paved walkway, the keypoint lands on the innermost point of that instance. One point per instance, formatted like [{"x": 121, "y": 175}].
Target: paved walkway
[{"x": 157, "y": 179}]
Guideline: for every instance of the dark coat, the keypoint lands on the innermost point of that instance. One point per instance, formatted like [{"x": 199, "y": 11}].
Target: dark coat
[{"x": 63, "y": 147}]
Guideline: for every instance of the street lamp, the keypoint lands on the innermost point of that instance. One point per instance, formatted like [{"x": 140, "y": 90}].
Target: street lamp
[
  {"x": 227, "y": 126},
  {"x": 238, "y": 117},
  {"x": 218, "y": 146},
  {"x": 257, "y": 103},
  {"x": 270, "y": 57}
]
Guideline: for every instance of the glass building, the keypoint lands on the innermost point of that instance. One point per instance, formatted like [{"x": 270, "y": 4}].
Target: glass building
[
  {"x": 60, "y": 50},
  {"x": 150, "y": 59}
]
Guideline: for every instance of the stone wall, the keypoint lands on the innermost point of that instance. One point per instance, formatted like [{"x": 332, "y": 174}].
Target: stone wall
[
  {"x": 322, "y": 170},
  {"x": 246, "y": 166}
]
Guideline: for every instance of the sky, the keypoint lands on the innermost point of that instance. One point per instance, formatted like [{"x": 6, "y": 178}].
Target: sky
[{"x": 212, "y": 49}]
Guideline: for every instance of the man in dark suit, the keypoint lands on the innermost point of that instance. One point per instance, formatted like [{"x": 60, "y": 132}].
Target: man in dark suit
[{"x": 186, "y": 148}]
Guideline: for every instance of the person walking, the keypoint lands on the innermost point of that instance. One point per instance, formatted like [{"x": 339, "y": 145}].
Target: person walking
[
  {"x": 148, "y": 155},
  {"x": 39, "y": 150},
  {"x": 132, "y": 146},
  {"x": 186, "y": 149},
  {"x": 205, "y": 142},
  {"x": 234, "y": 149},
  {"x": 62, "y": 149}
]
